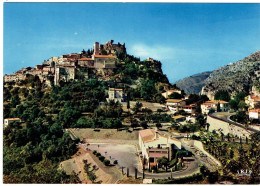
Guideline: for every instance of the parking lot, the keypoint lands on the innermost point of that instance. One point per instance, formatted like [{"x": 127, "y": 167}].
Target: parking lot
[{"x": 125, "y": 154}]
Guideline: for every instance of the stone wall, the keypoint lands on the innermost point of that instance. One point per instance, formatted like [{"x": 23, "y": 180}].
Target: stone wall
[{"x": 216, "y": 124}]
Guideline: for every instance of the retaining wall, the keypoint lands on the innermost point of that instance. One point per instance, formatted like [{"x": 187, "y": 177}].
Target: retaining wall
[{"x": 216, "y": 124}]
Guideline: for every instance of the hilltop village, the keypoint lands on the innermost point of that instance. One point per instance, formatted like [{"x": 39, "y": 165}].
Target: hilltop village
[
  {"x": 73, "y": 66},
  {"x": 104, "y": 116}
]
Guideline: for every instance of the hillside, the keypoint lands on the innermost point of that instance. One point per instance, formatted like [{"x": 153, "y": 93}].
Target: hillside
[
  {"x": 194, "y": 83},
  {"x": 234, "y": 77},
  {"x": 54, "y": 95}
]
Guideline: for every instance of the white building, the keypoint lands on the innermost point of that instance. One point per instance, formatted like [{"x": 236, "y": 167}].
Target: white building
[
  {"x": 7, "y": 121},
  {"x": 212, "y": 104},
  {"x": 254, "y": 114},
  {"x": 116, "y": 94},
  {"x": 174, "y": 104},
  {"x": 154, "y": 146}
]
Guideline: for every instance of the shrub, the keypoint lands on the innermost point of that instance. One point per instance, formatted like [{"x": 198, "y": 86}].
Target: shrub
[
  {"x": 101, "y": 158},
  {"x": 115, "y": 162},
  {"x": 98, "y": 154},
  {"x": 106, "y": 162},
  {"x": 94, "y": 152}
]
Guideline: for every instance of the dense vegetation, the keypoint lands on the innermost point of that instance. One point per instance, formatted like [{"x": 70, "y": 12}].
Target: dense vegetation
[
  {"x": 34, "y": 148},
  {"x": 234, "y": 154}
]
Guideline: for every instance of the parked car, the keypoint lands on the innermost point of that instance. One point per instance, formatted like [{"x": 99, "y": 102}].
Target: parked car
[{"x": 203, "y": 155}]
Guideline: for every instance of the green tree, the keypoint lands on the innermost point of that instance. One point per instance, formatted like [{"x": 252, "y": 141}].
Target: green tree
[
  {"x": 242, "y": 104},
  {"x": 163, "y": 161},
  {"x": 158, "y": 125},
  {"x": 222, "y": 95},
  {"x": 144, "y": 124},
  {"x": 175, "y": 95},
  {"x": 137, "y": 107},
  {"x": 233, "y": 104},
  {"x": 15, "y": 100}
]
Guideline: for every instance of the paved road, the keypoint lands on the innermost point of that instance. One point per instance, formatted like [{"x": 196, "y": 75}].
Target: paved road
[
  {"x": 207, "y": 161},
  {"x": 190, "y": 167},
  {"x": 226, "y": 117}
]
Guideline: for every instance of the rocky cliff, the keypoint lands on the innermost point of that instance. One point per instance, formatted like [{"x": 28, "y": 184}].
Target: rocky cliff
[
  {"x": 194, "y": 83},
  {"x": 234, "y": 77}
]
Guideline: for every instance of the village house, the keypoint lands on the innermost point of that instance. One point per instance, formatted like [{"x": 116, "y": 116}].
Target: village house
[
  {"x": 189, "y": 108},
  {"x": 252, "y": 100},
  {"x": 174, "y": 104},
  {"x": 154, "y": 146},
  {"x": 7, "y": 121},
  {"x": 86, "y": 62},
  {"x": 254, "y": 114},
  {"x": 169, "y": 92},
  {"x": 116, "y": 94},
  {"x": 257, "y": 73},
  {"x": 10, "y": 78},
  {"x": 18, "y": 76},
  {"x": 65, "y": 73},
  {"x": 212, "y": 104},
  {"x": 255, "y": 91}
]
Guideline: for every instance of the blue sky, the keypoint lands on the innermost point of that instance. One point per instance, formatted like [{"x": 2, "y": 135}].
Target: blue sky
[{"x": 186, "y": 38}]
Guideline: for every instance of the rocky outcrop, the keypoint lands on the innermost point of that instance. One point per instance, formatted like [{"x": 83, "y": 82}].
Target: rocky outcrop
[{"x": 234, "y": 77}]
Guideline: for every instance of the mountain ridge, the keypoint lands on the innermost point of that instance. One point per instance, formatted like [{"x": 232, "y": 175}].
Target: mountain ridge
[
  {"x": 193, "y": 83},
  {"x": 234, "y": 77}
]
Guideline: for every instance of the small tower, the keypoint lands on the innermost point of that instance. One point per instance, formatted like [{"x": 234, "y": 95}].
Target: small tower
[{"x": 96, "y": 48}]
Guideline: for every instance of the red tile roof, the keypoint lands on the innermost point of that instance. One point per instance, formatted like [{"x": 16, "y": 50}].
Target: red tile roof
[
  {"x": 189, "y": 106},
  {"x": 255, "y": 98},
  {"x": 255, "y": 110},
  {"x": 147, "y": 134},
  {"x": 13, "y": 119},
  {"x": 85, "y": 59},
  {"x": 105, "y": 56},
  {"x": 174, "y": 100},
  {"x": 120, "y": 89}
]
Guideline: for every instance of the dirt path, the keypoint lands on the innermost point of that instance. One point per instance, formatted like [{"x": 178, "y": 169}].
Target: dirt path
[{"x": 108, "y": 175}]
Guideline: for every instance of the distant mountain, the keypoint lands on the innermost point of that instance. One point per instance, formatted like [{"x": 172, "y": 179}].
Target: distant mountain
[
  {"x": 234, "y": 77},
  {"x": 194, "y": 83}
]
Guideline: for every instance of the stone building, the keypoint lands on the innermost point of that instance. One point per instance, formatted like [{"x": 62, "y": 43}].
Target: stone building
[
  {"x": 86, "y": 62},
  {"x": 64, "y": 73},
  {"x": 10, "y": 78},
  {"x": 116, "y": 94},
  {"x": 18, "y": 76}
]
